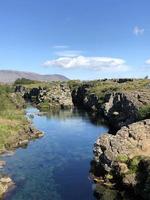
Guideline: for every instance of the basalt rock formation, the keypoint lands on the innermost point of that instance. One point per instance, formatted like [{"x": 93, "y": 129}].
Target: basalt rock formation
[
  {"x": 56, "y": 95},
  {"x": 119, "y": 107},
  {"x": 123, "y": 108},
  {"x": 124, "y": 158}
]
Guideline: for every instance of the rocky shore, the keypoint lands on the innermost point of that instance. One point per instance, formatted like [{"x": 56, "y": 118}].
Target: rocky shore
[
  {"x": 122, "y": 160},
  {"x": 23, "y": 138},
  {"x": 15, "y": 129},
  {"x": 5, "y": 184}
]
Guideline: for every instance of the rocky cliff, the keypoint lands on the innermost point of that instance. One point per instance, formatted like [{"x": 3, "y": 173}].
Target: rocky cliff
[
  {"x": 124, "y": 158},
  {"x": 54, "y": 95},
  {"x": 123, "y": 108},
  {"x": 118, "y": 105}
]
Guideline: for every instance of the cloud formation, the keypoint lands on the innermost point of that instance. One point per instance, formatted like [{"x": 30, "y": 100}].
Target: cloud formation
[
  {"x": 138, "y": 31},
  {"x": 147, "y": 62},
  {"x": 94, "y": 63}
]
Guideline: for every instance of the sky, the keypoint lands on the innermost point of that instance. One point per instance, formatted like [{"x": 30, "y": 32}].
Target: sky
[{"x": 81, "y": 39}]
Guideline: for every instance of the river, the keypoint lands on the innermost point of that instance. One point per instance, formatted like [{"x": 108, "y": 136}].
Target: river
[{"x": 55, "y": 167}]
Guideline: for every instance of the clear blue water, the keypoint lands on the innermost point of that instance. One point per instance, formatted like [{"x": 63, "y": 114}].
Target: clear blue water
[{"x": 55, "y": 167}]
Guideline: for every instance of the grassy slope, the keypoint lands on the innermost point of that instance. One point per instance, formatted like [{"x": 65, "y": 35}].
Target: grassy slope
[
  {"x": 108, "y": 86},
  {"x": 12, "y": 119}
]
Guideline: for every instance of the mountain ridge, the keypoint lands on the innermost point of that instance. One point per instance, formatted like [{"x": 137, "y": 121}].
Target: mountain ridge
[{"x": 10, "y": 76}]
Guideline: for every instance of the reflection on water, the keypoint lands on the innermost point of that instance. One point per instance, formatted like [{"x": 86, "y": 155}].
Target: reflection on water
[{"x": 55, "y": 167}]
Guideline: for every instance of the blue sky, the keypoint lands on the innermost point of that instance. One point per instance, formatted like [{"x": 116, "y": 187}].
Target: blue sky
[{"x": 82, "y": 39}]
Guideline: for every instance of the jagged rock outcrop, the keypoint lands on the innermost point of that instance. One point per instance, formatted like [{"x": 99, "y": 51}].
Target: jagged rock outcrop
[
  {"x": 84, "y": 99},
  {"x": 55, "y": 95},
  {"x": 119, "y": 108},
  {"x": 118, "y": 158},
  {"x": 122, "y": 108},
  {"x": 21, "y": 89},
  {"x": 130, "y": 141}
]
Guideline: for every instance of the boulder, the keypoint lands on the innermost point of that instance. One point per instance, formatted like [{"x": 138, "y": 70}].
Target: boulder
[
  {"x": 5, "y": 183},
  {"x": 2, "y": 163},
  {"x": 129, "y": 141},
  {"x": 122, "y": 108},
  {"x": 126, "y": 157}
]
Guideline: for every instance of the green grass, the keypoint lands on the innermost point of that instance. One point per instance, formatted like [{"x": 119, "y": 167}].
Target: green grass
[
  {"x": 12, "y": 116},
  {"x": 122, "y": 158},
  {"x": 133, "y": 164},
  {"x": 144, "y": 112},
  {"x": 101, "y": 87},
  {"x": 46, "y": 85},
  {"x": 24, "y": 81}
]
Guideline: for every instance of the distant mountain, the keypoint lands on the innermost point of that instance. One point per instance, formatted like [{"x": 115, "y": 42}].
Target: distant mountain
[{"x": 9, "y": 76}]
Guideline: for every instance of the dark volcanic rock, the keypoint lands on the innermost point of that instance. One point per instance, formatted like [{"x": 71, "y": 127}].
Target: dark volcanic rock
[
  {"x": 56, "y": 95},
  {"x": 121, "y": 108},
  {"x": 84, "y": 99},
  {"x": 124, "y": 158},
  {"x": 118, "y": 108}
]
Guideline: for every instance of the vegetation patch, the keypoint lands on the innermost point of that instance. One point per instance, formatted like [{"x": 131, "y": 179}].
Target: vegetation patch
[
  {"x": 144, "y": 112},
  {"x": 24, "y": 81},
  {"x": 133, "y": 164},
  {"x": 12, "y": 116},
  {"x": 122, "y": 158}
]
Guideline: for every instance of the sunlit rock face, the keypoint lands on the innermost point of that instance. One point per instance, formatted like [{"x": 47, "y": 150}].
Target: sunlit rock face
[
  {"x": 132, "y": 140},
  {"x": 119, "y": 108},
  {"x": 5, "y": 184},
  {"x": 54, "y": 95},
  {"x": 124, "y": 158}
]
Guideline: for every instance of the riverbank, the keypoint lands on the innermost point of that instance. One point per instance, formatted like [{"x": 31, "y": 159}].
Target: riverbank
[{"x": 15, "y": 130}]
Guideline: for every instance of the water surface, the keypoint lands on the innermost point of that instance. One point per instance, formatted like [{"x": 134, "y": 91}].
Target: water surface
[{"x": 55, "y": 167}]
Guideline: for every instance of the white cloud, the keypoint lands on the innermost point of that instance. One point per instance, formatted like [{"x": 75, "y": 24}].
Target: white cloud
[
  {"x": 147, "y": 62},
  {"x": 61, "y": 47},
  {"x": 138, "y": 31},
  {"x": 68, "y": 53},
  {"x": 94, "y": 63}
]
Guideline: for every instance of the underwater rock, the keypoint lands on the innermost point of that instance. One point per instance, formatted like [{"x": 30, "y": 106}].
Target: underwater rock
[{"x": 2, "y": 163}]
